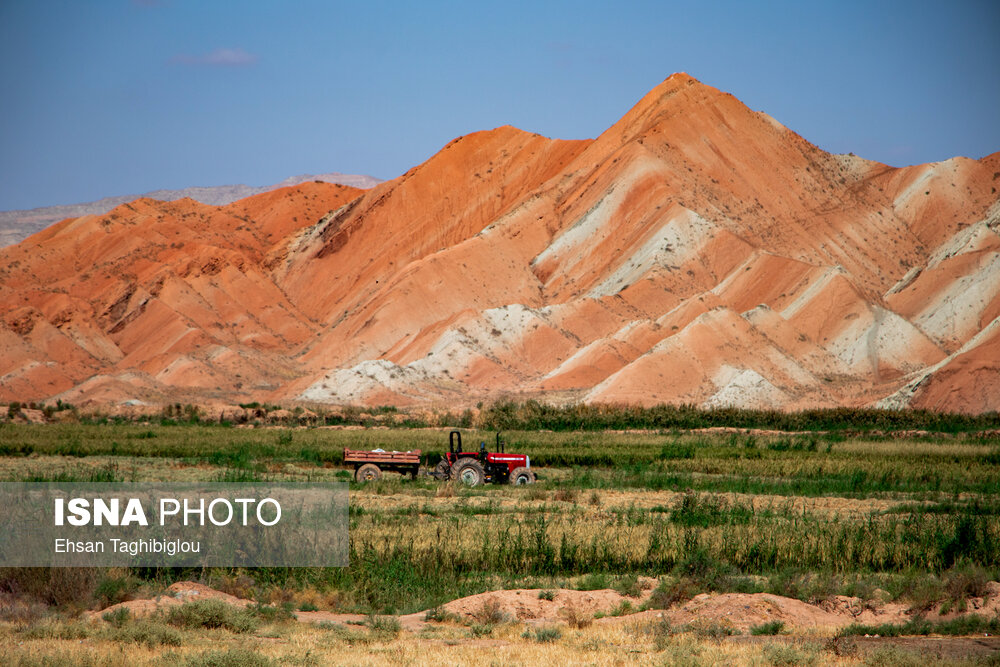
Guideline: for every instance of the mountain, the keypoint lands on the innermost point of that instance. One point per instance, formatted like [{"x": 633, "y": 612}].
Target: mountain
[
  {"x": 695, "y": 252},
  {"x": 16, "y": 226}
]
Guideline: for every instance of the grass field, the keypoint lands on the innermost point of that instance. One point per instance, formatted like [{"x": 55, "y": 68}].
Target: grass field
[{"x": 806, "y": 515}]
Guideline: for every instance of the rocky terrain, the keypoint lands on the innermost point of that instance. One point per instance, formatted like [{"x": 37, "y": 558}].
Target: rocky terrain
[{"x": 695, "y": 252}]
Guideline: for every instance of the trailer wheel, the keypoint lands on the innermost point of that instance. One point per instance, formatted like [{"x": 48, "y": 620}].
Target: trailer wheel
[
  {"x": 521, "y": 476},
  {"x": 442, "y": 470},
  {"x": 369, "y": 472},
  {"x": 469, "y": 472}
]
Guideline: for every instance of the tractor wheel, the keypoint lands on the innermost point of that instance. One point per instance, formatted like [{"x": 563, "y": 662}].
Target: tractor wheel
[
  {"x": 442, "y": 469},
  {"x": 521, "y": 476},
  {"x": 469, "y": 472},
  {"x": 369, "y": 472}
]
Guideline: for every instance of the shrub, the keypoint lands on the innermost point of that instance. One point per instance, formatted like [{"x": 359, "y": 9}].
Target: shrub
[
  {"x": 212, "y": 614},
  {"x": 706, "y": 512},
  {"x": 595, "y": 581},
  {"x": 711, "y": 630},
  {"x": 629, "y": 586},
  {"x": 966, "y": 580},
  {"x": 59, "y": 586},
  {"x": 925, "y": 592},
  {"x": 383, "y": 625},
  {"x": 623, "y": 609},
  {"x": 963, "y": 625},
  {"x": 780, "y": 655},
  {"x": 701, "y": 566},
  {"x": 238, "y": 585},
  {"x": 490, "y": 612},
  {"x": 117, "y": 617},
  {"x": 478, "y": 630},
  {"x": 574, "y": 618},
  {"x": 271, "y": 613},
  {"x": 771, "y": 628},
  {"x": 439, "y": 615},
  {"x": 544, "y": 635},
  {"x": 19, "y": 449},
  {"x": 20, "y": 610},
  {"x": 547, "y": 595},
  {"x": 148, "y": 633},
  {"x": 660, "y": 630},
  {"x": 671, "y": 591},
  {"x": 809, "y": 587},
  {"x": 112, "y": 590}
]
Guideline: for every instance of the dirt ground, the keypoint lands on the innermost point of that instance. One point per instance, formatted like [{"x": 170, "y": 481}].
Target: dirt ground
[
  {"x": 735, "y": 611},
  {"x": 929, "y": 648},
  {"x": 521, "y": 627}
]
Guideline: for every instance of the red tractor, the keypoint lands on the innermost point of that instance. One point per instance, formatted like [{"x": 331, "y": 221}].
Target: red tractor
[{"x": 475, "y": 468}]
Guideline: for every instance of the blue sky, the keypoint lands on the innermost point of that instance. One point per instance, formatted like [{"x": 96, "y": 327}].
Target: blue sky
[{"x": 125, "y": 96}]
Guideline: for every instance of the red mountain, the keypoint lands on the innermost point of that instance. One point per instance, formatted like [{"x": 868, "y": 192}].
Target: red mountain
[{"x": 696, "y": 252}]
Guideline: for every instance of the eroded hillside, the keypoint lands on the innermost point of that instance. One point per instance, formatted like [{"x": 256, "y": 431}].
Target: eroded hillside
[{"x": 697, "y": 251}]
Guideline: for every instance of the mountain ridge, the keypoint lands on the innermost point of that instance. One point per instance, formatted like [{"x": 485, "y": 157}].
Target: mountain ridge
[
  {"x": 17, "y": 225},
  {"x": 696, "y": 252}
]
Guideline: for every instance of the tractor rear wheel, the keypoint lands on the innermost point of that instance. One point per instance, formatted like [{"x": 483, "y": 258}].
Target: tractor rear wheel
[
  {"x": 521, "y": 476},
  {"x": 369, "y": 472},
  {"x": 469, "y": 472}
]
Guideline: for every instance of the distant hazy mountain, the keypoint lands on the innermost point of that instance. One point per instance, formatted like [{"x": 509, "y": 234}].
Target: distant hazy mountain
[{"x": 18, "y": 225}]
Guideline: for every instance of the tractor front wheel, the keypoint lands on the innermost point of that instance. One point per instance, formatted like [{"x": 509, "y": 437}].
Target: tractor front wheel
[
  {"x": 469, "y": 472},
  {"x": 521, "y": 476},
  {"x": 369, "y": 472}
]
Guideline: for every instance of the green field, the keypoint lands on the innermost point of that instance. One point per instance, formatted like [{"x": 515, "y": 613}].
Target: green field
[
  {"x": 805, "y": 515},
  {"x": 809, "y": 515}
]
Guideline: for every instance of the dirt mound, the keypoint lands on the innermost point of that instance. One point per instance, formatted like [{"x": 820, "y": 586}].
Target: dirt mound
[
  {"x": 187, "y": 591},
  {"x": 177, "y": 594},
  {"x": 742, "y": 611},
  {"x": 527, "y": 605},
  {"x": 737, "y": 611},
  {"x": 867, "y": 612}
]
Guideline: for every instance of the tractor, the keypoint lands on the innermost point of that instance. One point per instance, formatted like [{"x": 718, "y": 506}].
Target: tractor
[
  {"x": 475, "y": 468},
  {"x": 470, "y": 468}
]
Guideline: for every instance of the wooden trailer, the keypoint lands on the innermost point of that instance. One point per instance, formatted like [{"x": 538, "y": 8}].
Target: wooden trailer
[{"x": 368, "y": 466}]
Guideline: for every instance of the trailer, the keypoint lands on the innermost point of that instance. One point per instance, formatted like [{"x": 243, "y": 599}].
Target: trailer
[{"x": 368, "y": 465}]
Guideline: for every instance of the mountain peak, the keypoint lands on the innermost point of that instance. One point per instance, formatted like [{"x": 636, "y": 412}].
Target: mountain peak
[
  {"x": 696, "y": 252},
  {"x": 681, "y": 78},
  {"x": 679, "y": 93}
]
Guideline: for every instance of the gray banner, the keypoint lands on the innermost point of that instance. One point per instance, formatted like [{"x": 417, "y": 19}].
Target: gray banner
[{"x": 173, "y": 524}]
